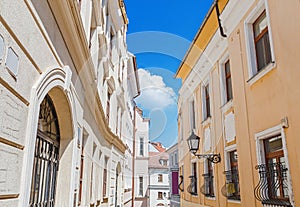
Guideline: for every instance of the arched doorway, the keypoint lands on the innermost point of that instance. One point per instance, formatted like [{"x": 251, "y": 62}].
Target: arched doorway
[{"x": 46, "y": 156}]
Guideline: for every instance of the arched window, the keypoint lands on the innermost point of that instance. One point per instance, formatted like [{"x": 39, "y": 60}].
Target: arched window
[{"x": 46, "y": 157}]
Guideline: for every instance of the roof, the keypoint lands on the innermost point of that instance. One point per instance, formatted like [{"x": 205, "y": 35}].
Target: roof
[
  {"x": 158, "y": 146},
  {"x": 154, "y": 160},
  {"x": 200, "y": 41}
]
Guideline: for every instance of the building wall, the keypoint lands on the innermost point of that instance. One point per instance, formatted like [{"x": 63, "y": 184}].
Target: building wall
[
  {"x": 66, "y": 51},
  {"x": 141, "y": 159},
  {"x": 261, "y": 105}
]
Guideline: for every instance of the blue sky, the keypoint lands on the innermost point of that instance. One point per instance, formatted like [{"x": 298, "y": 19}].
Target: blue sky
[{"x": 159, "y": 34}]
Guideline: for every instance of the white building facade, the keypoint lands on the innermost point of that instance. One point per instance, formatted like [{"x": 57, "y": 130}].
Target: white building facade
[
  {"x": 174, "y": 176},
  {"x": 67, "y": 85},
  {"x": 141, "y": 179},
  {"x": 159, "y": 189}
]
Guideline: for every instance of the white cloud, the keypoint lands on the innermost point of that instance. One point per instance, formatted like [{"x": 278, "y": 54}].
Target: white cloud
[{"x": 154, "y": 92}]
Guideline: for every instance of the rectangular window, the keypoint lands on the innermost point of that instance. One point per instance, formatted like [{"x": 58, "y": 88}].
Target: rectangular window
[
  {"x": 141, "y": 183},
  {"x": 208, "y": 187},
  {"x": 228, "y": 83},
  {"x": 192, "y": 115},
  {"x": 175, "y": 183},
  {"x": 160, "y": 178},
  {"x": 108, "y": 106},
  {"x": 206, "y": 102},
  {"x": 141, "y": 146},
  {"x": 105, "y": 177},
  {"x": 194, "y": 181},
  {"x": 275, "y": 163},
  {"x": 160, "y": 196},
  {"x": 262, "y": 42},
  {"x": 232, "y": 177}
]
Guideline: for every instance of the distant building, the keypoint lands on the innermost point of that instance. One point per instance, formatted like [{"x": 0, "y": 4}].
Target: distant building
[
  {"x": 141, "y": 179},
  {"x": 174, "y": 176},
  {"x": 159, "y": 190}
]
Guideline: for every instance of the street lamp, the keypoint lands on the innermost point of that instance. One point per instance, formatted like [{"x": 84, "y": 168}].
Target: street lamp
[{"x": 193, "y": 142}]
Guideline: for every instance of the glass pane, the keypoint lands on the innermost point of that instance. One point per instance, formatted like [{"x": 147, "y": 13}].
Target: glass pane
[
  {"x": 273, "y": 144},
  {"x": 260, "y": 24}
]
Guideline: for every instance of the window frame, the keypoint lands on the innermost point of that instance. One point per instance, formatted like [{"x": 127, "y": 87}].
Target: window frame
[
  {"x": 254, "y": 74},
  {"x": 261, "y": 154},
  {"x": 141, "y": 151},
  {"x": 206, "y": 101},
  {"x": 160, "y": 178}
]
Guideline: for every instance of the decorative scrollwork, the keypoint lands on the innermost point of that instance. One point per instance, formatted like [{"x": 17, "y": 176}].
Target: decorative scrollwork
[{"x": 272, "y": 186}]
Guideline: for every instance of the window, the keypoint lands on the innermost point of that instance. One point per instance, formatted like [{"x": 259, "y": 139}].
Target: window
[
  {"x": 105, "y": 177},
  {"x": 259, "y": 47},
  {"x": 160, "y": 178},
  {"x": 228, "y": 84},
  {"x": 160, "y": 195},
  {"x": 141, "y": 146},
  {"x": 108, "y": 105},
  {"x": 206, "y": 102},
  {"x": 231, "y": 189},
  {"x": 262, "y": 42},
  {"x": 192, "y": 188},
  {"x": 163, "y": 162},
  {"x": 46, "y": 164},
  {"x": 176, "y": 159},
  {"x": 275, "y": 163},
  {"x": 273, "y": 185},
  {"x": 208, "y": 187},
  {"x": 141, "y": 186},
  {"x": 12, "y": 62},
  {"x": 192, "y": 115}
]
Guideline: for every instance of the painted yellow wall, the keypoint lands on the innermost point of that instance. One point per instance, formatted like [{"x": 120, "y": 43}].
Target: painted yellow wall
[{"x": 256, "y": 107}]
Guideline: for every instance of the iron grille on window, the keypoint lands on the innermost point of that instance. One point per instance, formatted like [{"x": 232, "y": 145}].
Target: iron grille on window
[
  {"x": 231, "y": 188},
  {"x": 181, "y": 185},
  {"x": 192, "y": 188},
  {"x": 46, "y": 157},
  {"x": 207, "y": 188},
  {"x": 272, "y": 186}
]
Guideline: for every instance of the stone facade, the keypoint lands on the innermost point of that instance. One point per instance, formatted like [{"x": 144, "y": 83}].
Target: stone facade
[{"x": 74, "y": 55}]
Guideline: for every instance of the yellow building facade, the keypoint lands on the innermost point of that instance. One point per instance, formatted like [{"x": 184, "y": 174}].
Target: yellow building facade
[{"x": 240, "y": 94}]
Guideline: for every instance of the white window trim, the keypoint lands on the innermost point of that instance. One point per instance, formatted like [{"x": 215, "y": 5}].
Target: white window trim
[
  {"x": 227, "y": 150},
  {"x": 260, "y": 153},
  {"x": 223, "y": 90},
  {"x": 254, "y": 76}
]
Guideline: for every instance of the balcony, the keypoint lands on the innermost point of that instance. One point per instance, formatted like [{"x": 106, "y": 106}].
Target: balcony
[
  {"x": 192, "y": 188},
  {"x": 181, "y": 185},
  {"x": 272, "y": 188},
  {"x": 207, "y": 188},
  {"x": 231, "y": 188}
]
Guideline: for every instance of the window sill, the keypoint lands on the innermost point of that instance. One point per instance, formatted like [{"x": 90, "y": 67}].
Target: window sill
[
  {"x": 234, "y": 201},
  {"x": 227, "y": 106},
  {"x": 206, "y": 121},
  {"x": 210, "y": 198},
  {"x": 261, "y": 73}
]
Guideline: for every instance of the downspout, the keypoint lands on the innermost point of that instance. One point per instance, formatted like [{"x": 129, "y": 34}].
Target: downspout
[
  {"x": 133, "y": 156},
  {"x": 219, "y": 20}
]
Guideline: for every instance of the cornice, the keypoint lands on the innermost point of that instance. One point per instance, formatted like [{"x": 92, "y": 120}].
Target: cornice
[{"x": 70, "y": 24}]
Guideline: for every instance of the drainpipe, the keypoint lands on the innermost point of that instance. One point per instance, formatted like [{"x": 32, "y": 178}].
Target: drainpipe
[{"x": 219, "y": 20}]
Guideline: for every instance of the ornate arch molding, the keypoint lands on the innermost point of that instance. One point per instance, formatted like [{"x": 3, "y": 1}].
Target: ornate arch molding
[{"x": 54, "y": 81}]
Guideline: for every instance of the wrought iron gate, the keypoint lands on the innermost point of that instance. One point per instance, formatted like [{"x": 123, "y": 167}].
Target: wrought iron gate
[{"x": 46, "y": 157}]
